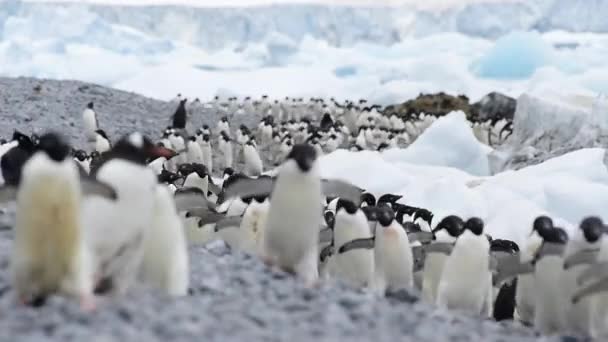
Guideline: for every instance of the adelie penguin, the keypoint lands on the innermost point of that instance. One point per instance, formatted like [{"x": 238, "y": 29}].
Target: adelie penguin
[
  {"x": 470, "y": 257},
  {"x": 446, "y": 233},
  {"x": 118, "y": 227},
  {"x": 353, "y": 266},
  {"x": 13, "y": 160},
  {"x": 50, "y": 254},
  {"x": 180, "y": 116},
  {"x": 394, "y": 261},
  {"x": 91, "y": 124},
  {"x": 296, "y": 196}
]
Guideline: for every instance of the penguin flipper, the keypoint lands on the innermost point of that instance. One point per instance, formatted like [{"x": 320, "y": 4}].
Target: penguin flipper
[
  {"x": 589, "y": 290},
  {"x": 205, "y": 214},
  {"x": 93, "y": 187},
  {"x": 440, "y": 247},
  {"x": 584, "y": 257},
  {"x": 365, "y": 243},
  {"x": 593, "y": 272},
  {"x": 250, "y": 187},
  {"x": 227, "y": 222},
  {"x": 326, "y": 235},
  {"x": 191, "y": 198},
  {"x": 8, "y": 193},
  {"x": 422, "y": 236},
  {"x": 342, "y": 189}
]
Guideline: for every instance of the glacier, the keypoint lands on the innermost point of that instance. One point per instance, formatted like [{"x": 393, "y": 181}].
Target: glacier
[{"x": 385, "y": 54}]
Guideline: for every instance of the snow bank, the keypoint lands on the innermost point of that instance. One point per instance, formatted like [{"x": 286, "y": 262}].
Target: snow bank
[
  {"x": 567, "y": 188},
  {"x": 448, "y": 142}
]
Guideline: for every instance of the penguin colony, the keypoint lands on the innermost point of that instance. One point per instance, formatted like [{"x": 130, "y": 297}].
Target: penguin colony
[{"x": 93, "y": 223}]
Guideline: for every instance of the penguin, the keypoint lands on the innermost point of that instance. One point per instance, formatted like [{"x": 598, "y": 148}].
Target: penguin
[
  {"x": 83, "y": 160},
  {"x": 180, "y": 116},
  {"x": 223, "y": 126},
  {"x": 165, "y": 262},
  {"x": 50, "y": 254},
  {"x": 225, "y": 146},
  {"x": 91, "y": 124},
  {"x": 102, "y": 143},
  {"x": 253, "y": 163},
  {"x": 394, "y": 261},
  {"x": 297, "y": 194},
  {"x": 252, "y": 225},
  {"x": 550, "y": 306},
  {"x": 388, "y": 200},
  {"x": 470, "y": 256},
  {"x": 207, "y": 152},
  {"x": 526, "y": 292},
  {"x": 446, "y": 233},
  {"x": 194, "y": 152},
  {"x": 13, "y": 160},
  {"x": 586, "y": 241},
  {"x": 504, "y": 301},
  {"x": 354, "y": 267},
  {"x": 117, "y": 229}
]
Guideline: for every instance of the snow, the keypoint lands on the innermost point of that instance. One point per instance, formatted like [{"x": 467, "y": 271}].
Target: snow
[
  {"x": 436, "y": 147},
  {"x": 568, "y": 188}
]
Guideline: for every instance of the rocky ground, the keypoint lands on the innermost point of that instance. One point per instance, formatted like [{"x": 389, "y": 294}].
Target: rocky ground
[{"x": 233, "y": 297}]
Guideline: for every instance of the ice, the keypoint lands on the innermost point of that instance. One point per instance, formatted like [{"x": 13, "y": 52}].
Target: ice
[
  {"x": 448, "y": 142},
  {"x": 516, "y": 55}
]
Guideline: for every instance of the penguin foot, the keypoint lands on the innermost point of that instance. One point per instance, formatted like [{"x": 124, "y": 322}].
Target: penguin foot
[{"x": 88, "y": 303}]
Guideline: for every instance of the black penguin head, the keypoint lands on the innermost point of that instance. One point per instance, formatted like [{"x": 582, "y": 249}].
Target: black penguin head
[
  {"x": 90, "y": 105},
  {"x": 200, "y": 169},
  {"x": 507, "y": 246},
  {"x": 593, "y": 228},
  {"x": 55, "y": 146},
  {"x": 452, "y": 224},
  {"x": 139, "y": 148},
  {"x": 371, "y": 213},
  {"x": 555, "y": 235},
  {"x": 475, "y": 225},
  {"x": 224, "y": 119},
  {"x": 192, "y": 138},
  {"x": 347, "y": 205},
  {"x": 23, "y": 141},
  {"x": 330, "y": 219},
  {"x": 102, "y": 133},
  {"x": 411, "y": 227},
  {"x": 80, "y": 155},
  {"x": 386, "y": 216},
  {"x": 205, "y": 127},
  {"x": 168, "y": 177},
  {"x": 304, "y": 155},
  {"x": 228, "y": 172},
  {"x": 542, "y": 224},
  {"x": 368, "y": 199},
  {"x": 389, "y": 198},
  {"x": 206, "y": 137}
]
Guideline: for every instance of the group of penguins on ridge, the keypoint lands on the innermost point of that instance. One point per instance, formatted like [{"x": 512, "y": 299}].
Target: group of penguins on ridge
[{"x": 92, "y": 224}]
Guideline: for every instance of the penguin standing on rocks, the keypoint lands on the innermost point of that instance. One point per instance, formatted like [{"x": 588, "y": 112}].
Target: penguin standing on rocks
[
  {"x": 165, "y": 262},
  {"x": 581, "y": 250},
  {"x": 296, "y": 193},
  {"x": 551, "y": 306},
  {"x": 355, "y": 267},
  {"x": 117, "y": 229},
  {"x": 91, "y": 124},
  {"x": 525, "y": 297},
  {"x": 194, "y": 152},
  {"x": 225, "y": 146},
  {"x": 394, "y": 261},
  {"x": 180, "y": 116},
  {"x": 253, "y": 163},
  {"x": 102, "y": 142},
  {"x": 50, "y": 253},
  {"x": 446, "y": 233},
  {"x": 470, "y": 256},
  {"x": 13, "y": 160},
  {"x": 207, "y": 152}
]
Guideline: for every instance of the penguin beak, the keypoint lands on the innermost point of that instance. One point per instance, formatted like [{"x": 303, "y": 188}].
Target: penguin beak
[
  {"x": 161, "y": 151},
  {"x": 584, "y": 257}
]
